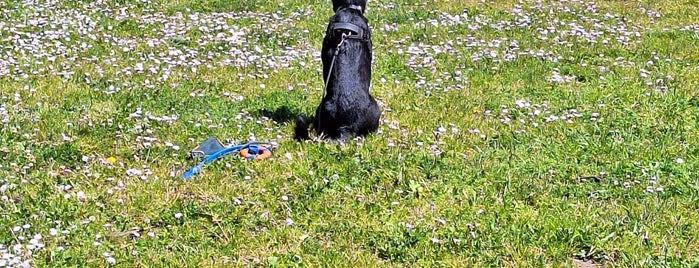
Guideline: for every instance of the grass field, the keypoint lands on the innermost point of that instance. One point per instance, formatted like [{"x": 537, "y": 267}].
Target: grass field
[{"x": 514, "y": 133}]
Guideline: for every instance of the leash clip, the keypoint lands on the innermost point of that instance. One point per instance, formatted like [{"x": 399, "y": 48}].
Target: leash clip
[{"x": 337, "y": 49}]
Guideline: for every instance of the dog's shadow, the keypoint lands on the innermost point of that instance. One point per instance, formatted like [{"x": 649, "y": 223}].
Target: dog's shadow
[{"x": 282, "y": 114}]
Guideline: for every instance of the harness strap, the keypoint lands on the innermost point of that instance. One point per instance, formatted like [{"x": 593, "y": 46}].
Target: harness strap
[{"x": 358, "y": 32}]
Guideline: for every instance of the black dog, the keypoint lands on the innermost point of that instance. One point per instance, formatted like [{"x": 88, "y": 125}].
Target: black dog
[{"x": 347, "y": 108}]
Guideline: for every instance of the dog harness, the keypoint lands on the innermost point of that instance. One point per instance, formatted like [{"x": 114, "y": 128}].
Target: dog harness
[{"x": 358, "y": 32}]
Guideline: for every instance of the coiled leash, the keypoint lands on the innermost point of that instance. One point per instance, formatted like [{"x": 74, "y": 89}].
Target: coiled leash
[{"x": 252, "y": 150}]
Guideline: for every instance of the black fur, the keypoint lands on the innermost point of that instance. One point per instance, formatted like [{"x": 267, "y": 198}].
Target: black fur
[
  {"x": 347, "y": 108},
  {"x": 345, "y": 3}
]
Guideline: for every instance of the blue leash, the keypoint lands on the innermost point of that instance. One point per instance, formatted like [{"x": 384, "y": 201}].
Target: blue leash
[{"x": 253, "y": 147}]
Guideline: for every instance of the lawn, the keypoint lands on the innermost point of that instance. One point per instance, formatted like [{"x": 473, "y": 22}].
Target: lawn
[{"x": 514, "y": 133}]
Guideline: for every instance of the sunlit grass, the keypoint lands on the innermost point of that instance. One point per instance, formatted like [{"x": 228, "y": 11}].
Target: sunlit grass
[{"x": 516, "y": 134}]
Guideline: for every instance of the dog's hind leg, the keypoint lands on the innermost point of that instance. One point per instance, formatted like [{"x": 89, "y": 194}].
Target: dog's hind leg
[{"x": 344, "y": 134}]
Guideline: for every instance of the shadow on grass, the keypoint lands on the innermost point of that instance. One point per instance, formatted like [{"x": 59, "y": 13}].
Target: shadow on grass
[{"x": 282, "y": 114}]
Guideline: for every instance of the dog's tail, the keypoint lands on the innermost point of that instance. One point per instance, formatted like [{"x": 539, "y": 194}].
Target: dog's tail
[{"x": 301, "y": 129}]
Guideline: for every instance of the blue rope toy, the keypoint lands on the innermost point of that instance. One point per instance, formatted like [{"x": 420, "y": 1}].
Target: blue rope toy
[{"x": 252, "y": 150}]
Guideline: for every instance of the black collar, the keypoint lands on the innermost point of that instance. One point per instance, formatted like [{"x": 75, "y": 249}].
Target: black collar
[{"x": 356, "y": 7}]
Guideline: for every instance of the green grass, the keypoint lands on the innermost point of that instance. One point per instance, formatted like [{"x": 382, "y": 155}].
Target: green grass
[{"x": 525, "y": 193}]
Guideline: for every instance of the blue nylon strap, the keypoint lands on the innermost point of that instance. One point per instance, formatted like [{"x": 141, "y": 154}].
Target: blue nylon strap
[{"x": 252, "y": 147}]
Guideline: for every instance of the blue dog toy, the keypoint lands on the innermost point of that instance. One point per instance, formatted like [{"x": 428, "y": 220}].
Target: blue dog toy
[{"x": 252, "y": 150}]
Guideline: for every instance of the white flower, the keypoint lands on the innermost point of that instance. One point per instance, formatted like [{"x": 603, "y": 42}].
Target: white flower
[
  {"x": 409, "y": 226},
  {"x": 521, "y": 103},
  {"x": 134, "y": 172},
  {"x": 679, "y": 160},
  {"x": 178, "y": 215},
  {"x": 80, "y": 195}
]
